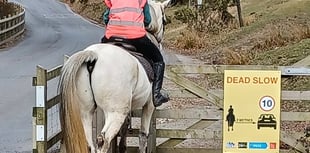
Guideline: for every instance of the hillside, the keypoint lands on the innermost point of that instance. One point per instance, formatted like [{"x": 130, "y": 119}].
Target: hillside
[
  {"x": 276, "y": 32},
  {"x": 271, "y": 26}
]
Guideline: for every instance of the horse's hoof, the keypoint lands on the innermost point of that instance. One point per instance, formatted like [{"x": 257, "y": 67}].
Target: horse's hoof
[{"x": 100, "y": 141}]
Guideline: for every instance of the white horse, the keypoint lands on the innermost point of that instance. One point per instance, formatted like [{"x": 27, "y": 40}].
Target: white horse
[{"x": 105, "y": 76}]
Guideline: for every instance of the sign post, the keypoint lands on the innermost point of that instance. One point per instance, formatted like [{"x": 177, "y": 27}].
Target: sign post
[{"x": 251, "y": 119}]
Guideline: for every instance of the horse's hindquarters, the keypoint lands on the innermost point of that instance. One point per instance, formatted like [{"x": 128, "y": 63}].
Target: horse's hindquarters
[{"x": 119, "y": 80}]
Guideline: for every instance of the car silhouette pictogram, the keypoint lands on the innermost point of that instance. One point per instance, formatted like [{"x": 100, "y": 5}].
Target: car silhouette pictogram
[{"x": 267, "y": 120}]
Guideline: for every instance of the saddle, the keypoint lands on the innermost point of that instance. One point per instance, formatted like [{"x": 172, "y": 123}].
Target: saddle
[{"x": 125, "y": 44}]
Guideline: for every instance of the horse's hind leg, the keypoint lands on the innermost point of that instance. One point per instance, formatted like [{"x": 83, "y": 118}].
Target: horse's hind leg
[
  {"x": 113, "y": 124},
  {"x": 147, "y": 112}
]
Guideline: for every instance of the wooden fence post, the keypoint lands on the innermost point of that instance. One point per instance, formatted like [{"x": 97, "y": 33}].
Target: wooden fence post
[
  {"x": 39, "y": 111},
  {"x": 151, "y": 145}
]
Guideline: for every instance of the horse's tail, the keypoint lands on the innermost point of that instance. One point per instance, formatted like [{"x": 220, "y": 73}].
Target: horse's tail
[{"x": 72, "y": 128}]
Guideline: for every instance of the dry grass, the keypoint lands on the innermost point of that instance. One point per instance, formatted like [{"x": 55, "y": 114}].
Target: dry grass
[
  {"x": 278, "y": 35},
  {"x": 6, "y": 9},
  {"x": 92, "y": 10},
  {"x": 269, "y": 25},
  {"x": 285, "y": 55},
  {"x": 190, "y": 39},
  {"x": 271, "y": 36}
]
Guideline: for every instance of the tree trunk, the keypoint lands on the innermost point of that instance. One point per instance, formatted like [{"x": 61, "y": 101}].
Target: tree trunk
[{"x": 239, "y": 13}]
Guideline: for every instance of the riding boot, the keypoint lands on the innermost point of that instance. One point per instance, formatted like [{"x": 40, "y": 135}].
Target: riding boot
[{"x": 158, "y": 97}]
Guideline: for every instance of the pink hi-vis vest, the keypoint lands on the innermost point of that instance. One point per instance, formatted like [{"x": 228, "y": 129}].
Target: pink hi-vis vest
[{"x": 125, "y": 18}]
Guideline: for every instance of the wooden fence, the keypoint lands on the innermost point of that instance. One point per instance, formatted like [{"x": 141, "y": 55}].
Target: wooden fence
[
  {"x": 203, "y": 117},
  {"x": 12, "y": 25}
]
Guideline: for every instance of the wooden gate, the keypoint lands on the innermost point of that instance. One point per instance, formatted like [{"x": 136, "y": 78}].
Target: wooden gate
[
  {"x": 203, "y": 117},
  {"x": 191, "y": 89}
]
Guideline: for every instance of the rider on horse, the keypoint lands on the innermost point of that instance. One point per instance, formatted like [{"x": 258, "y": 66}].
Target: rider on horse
[{"x": 127, "y": 19}]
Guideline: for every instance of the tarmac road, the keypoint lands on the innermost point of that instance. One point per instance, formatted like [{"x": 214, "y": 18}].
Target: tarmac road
[{"x": 52, "y": 31}]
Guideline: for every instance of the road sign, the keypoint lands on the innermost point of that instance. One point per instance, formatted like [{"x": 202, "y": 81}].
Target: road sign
[
  {"x": 251, "y": 111},
  {"x": 266, "y": 103}
]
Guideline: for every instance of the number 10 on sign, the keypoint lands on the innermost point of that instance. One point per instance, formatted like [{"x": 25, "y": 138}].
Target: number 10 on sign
[{"x": 267, "y": 103}]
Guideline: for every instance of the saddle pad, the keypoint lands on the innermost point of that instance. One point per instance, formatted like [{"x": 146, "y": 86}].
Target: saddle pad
[{"x": 146, "y": 64}]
